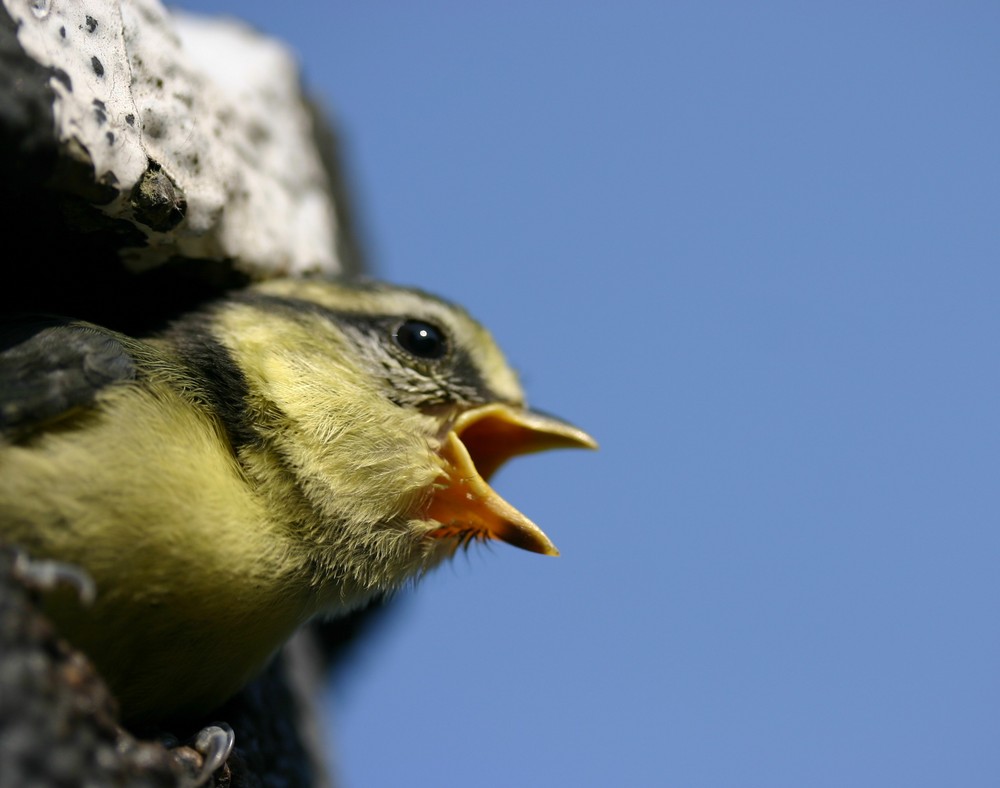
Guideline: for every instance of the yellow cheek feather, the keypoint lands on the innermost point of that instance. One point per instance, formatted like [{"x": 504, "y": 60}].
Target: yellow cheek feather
[
  {"x": 359, "y": 457},
  {"x": 278, "y": 455}
]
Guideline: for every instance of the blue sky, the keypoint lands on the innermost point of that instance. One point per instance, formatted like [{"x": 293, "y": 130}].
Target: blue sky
[{"x": 753, "y": 249}]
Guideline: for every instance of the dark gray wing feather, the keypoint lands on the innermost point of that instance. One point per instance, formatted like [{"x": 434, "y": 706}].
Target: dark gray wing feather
[{"x": 51, "y": 367}]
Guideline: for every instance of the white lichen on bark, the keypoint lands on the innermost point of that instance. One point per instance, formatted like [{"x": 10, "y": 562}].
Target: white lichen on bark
[{"x": 204, "y": 105}]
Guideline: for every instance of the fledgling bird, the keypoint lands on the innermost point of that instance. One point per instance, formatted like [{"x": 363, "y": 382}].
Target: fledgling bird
[{"x": 289, "y": 451}]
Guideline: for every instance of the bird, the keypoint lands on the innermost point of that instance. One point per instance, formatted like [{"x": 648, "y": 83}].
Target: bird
[{"x": 289, "y": 451}]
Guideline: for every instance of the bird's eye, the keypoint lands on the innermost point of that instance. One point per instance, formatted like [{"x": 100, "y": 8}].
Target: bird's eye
[{"x": 421, "y": 339}]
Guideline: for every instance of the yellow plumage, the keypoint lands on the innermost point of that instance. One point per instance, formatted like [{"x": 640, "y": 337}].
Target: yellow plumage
[{"x": 287, "y": 452}]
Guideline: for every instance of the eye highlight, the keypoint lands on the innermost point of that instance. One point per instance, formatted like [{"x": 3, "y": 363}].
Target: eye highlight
[{"x": 421, "y": 339}]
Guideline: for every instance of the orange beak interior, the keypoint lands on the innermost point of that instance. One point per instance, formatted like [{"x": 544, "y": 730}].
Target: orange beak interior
[{"x": 480, "y": 441}]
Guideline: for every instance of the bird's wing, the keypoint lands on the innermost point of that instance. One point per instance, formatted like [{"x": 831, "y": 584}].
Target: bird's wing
[{"x": 51, "y": 367}]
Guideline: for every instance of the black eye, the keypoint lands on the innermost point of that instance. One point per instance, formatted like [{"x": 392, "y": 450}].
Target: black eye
[{"x": 421, "y": 339}]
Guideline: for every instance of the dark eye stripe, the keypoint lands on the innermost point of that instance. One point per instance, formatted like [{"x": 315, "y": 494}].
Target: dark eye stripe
[{"x": 461, "y": 376}]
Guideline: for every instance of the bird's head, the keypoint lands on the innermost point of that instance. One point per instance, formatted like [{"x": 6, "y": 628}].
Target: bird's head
[{"x": 379, "y": 415}]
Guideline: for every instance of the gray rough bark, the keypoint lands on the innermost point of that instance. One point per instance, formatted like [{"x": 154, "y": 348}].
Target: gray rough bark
[{"x": 130, "y": 246}]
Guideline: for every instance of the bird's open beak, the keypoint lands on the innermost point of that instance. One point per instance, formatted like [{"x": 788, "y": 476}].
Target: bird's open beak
[{"x": 480, "y": 441}]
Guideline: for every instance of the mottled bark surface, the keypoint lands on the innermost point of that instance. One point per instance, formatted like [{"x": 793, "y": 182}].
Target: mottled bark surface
[{"x": 92, "y": 244}]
